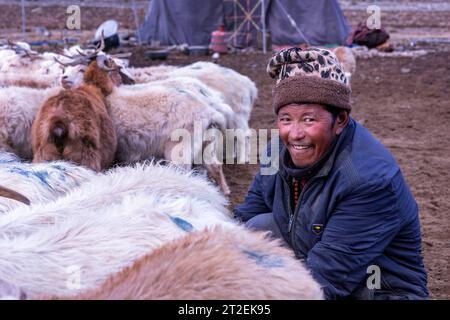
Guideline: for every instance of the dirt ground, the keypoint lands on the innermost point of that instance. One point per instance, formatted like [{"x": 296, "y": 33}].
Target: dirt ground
[{"x": 404, "y": 102}]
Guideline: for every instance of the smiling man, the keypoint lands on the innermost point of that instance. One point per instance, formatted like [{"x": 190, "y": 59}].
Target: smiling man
[{"x": 339, "y": 199}]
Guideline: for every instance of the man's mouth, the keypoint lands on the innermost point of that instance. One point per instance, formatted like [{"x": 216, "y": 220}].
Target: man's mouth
[{"x": 300, "y": 146}]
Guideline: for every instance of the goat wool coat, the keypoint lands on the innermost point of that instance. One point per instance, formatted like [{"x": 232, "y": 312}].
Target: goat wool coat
[{"x": 356, "y": 211}]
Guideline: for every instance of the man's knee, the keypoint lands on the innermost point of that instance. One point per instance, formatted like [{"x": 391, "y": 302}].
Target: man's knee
[{"x": 265, "y": 222}]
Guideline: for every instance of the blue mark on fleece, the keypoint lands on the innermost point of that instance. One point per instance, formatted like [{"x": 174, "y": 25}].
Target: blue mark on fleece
[
  {"x": 182, "y": 224},
  {"x": 2, "y": 161},
  {"x": 203, "y": 92},
  {"x": 42, "y": 176},
  {"x": 7, "y": 157},
  {"x": 182, "y": 91},
  {"x": 59, "y": 167},
  {"x": 265, "y": 260}
]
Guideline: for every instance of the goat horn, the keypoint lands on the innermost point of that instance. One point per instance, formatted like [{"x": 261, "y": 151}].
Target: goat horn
[
  {"x": 82, "y": 53},
  {"x": 67, "y": 56},
  {"x": 96, "y": 51},
  {"x": 102, "y": 43},
  {"x": 60, "y": 62},
  {"x": 31, "y": 55},
  {"x": 31, "y": 52},
  {"x": 91, "y": 46},
  {"x": 18, "y": 48},
  {"x": 121, "y": 55},
  {"x": 11, "y": 194},
  {"x": 71, "y": 63}
]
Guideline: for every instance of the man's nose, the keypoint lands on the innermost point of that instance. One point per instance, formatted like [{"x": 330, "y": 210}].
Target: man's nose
[{"x": 297, "y": 132}]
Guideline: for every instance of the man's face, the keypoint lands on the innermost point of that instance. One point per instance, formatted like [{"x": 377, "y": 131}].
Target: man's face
[{"x": 307, "y": 130}]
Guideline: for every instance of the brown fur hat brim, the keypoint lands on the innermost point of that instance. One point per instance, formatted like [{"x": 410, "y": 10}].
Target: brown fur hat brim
[{"x": 311, "y": 89}]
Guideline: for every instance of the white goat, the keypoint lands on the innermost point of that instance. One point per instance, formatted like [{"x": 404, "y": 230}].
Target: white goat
[
  {"x": 36, "y": 70},
  {"x": 238, "y": 91},
  {"x": 24, "y": 71},
  {"x": 18, "y": 108},
  {"x": 27, "y": 68},
  {"x": 103, "y": 226},
  {"x": 147, "y": 117},
  {"x": 147, "y": 74}
]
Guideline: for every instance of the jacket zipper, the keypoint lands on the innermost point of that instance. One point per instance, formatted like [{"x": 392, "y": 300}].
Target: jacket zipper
[
  {"x": 291, "y": 213},
  {"x": 293, "y": 217}
]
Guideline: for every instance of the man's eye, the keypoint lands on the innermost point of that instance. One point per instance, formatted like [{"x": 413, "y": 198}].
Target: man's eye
[
  {"x": 285, "y": 119},
  {"x": 309, "y": 119}
]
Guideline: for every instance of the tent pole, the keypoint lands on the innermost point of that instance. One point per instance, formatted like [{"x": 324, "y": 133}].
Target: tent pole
[
  {"x": 138, "y": 32},
  {"x": 263, "y": 18},
  {"x": 294, "y": 24},
  {"x": 23, "y": 19},
  {"x": 235, "y": 22}
]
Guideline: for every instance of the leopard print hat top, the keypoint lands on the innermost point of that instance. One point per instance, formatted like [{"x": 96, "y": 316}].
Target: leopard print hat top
[
  {"x": 308, "y": 76},
  {"x": 313, "y": 62}
]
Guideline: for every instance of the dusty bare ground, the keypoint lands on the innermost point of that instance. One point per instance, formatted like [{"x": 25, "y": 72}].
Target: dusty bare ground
[{"x": 404, "y": 102}]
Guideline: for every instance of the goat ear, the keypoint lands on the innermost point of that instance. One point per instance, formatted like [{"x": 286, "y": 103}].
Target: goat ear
[{"x": 11, "y": 194}]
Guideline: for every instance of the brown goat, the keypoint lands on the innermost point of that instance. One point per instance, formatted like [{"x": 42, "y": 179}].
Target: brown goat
[
  {"x": 75, "y": 124},
  {"x": 212, "y": 264}
]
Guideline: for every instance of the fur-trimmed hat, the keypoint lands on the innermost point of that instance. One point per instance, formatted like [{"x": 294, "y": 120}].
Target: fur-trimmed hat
[{"x": 308, "y": 76}]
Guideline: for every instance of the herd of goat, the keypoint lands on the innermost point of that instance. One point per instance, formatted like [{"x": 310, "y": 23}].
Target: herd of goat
[
  {"x": 104, "y": 113},
  {"x": 140, "y": 230}
]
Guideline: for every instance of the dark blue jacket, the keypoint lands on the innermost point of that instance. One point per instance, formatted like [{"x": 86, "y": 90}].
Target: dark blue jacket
[{"x": 357, "y": 211}]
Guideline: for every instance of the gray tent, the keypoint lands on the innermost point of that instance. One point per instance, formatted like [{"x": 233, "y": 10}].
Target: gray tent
[{"x": 289, "y": 22}]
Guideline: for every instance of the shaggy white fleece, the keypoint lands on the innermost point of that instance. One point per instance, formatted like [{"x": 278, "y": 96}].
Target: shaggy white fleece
[
  {"x": 40, "y": 183},
  {"x": 103, "y": 226},
  {"x": 18, "y": 107}
]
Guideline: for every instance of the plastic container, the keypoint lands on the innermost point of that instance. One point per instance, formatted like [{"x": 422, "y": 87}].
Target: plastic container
[
  {"x": 219, "y": 40},
  {"x": 198, "y": 50}
]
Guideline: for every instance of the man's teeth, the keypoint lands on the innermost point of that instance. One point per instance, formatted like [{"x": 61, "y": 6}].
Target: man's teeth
[{"x": 299, "y": 147}]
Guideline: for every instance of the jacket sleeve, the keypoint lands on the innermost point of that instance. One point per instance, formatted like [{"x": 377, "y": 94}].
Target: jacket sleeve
[
  {"x": 358, "y": 231},
  {"x": 254, "y": 203}
]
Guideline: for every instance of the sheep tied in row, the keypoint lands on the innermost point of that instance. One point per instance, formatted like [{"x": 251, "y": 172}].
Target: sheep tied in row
[{"x": 139, "y": 232}]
